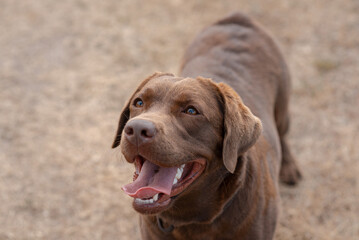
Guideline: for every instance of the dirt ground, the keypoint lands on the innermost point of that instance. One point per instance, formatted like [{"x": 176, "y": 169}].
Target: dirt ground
[{"x": 66, "y": 68}]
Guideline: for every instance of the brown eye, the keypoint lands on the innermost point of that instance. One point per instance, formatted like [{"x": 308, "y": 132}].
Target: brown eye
[
  {"x": 138, "y": 103},
  {"x": 191, "y": 111}
]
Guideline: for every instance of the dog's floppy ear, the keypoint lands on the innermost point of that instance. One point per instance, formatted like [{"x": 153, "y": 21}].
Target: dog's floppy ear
[
  {"x": 241, "y": 127},
  {"x": 125, "y": 114}
]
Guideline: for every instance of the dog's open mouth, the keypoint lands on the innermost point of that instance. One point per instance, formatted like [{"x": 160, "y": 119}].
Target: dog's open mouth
[{"x": 153, "y": 186}]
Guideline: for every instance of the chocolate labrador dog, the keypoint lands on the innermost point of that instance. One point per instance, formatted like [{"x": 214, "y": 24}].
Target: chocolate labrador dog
[{"x": 208, "y": 147}]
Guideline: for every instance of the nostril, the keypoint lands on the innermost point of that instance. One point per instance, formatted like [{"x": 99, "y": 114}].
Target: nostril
[
  {"x": 144, "y": 133},
  {"x": 148, "y": 133},
  {"x": 129, "y": 130}
]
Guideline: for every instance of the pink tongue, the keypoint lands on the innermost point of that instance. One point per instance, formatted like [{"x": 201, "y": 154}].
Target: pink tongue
[{"x": 152, "y": 179}]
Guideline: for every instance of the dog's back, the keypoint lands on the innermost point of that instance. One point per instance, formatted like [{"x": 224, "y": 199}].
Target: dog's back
[{"x": 238, "y": 52}]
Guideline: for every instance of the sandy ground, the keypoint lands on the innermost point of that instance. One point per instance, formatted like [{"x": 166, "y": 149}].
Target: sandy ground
[{"x": 66, "y": 68}]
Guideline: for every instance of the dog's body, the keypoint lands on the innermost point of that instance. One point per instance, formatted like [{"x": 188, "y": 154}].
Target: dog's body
[{"x": 237, "y": 158}]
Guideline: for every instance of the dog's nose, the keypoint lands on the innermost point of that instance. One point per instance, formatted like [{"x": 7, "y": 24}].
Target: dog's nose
[{"x": 140, "y": 131}]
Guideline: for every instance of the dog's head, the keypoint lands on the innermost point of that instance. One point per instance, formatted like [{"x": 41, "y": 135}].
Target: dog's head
[{"x": 183, "y": 135}]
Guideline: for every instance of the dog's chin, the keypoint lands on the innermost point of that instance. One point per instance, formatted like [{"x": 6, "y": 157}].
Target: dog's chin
[{"x": 162, "y": 202}]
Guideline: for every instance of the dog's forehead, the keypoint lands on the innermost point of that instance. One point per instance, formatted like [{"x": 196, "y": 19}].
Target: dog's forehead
[
  {"x": 160, "y": 85},
  {"x": 180, "y": 88}
]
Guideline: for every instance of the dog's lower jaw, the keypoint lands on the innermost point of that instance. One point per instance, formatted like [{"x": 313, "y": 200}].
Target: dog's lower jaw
[{"x": 203, "y": 219}]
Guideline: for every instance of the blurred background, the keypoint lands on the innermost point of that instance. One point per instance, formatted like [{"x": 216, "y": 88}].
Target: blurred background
[{"x": 66, "y": 68}]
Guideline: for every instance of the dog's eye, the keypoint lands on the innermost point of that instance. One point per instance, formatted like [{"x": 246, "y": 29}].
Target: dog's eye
[
  {"x": 138, "y": 103},
  {"x": 191, "y": 111}
]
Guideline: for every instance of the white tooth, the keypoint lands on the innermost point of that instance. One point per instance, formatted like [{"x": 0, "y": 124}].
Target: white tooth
[
  {"x": 179, "y": 173},
  {"x": 155, "y": 198},
  {"x": 145, "y": 201}
]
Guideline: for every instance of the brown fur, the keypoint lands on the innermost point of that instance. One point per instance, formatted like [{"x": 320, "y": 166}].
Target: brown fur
[{"x": 246, "y": 79}]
